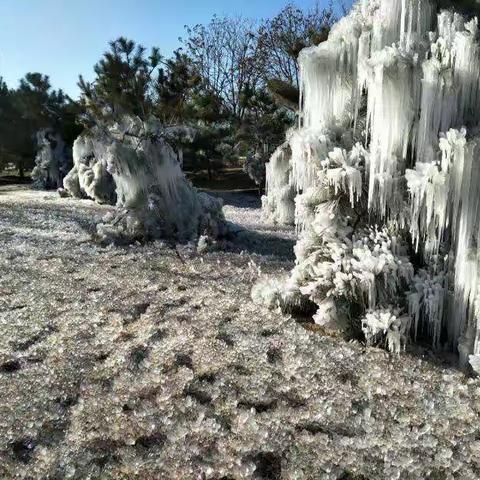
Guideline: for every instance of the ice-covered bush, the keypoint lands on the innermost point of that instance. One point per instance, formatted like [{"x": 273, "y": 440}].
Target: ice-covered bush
[
  {"x": 52, "y": 162},
  {"x": 387, "y": 325},
  {"x": 132, "y": 164},
  {"x": 279, "y": 200},
  {"x": 386, "y": 152}
]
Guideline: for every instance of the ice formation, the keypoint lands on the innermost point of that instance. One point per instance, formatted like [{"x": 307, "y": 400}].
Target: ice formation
[
  {"x": 52, "y": 162},
  {"x": 385, "y": 154},
  {"x": 132, "y": 164},
  {"x": 279, "y": 201},
  {"x": 89, "y": 176}
]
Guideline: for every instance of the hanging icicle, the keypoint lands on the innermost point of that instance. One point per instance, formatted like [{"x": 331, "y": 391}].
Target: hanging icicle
[{"x": 416, "y": 175}]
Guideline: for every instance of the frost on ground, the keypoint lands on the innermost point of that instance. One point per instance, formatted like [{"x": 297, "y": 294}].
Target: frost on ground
[{"x": 146, "y": 362}]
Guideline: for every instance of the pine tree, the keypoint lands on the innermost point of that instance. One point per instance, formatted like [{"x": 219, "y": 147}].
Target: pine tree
[{"x": 123, "y": 85}]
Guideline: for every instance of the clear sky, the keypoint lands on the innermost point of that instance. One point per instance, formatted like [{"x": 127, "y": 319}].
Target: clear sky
[{"x": 63, "y": 38}]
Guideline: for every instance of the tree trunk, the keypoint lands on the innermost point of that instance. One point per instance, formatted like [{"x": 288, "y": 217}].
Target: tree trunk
[
  {"x": 21, "y": 170},
  {"x": 209, "y": 168}
]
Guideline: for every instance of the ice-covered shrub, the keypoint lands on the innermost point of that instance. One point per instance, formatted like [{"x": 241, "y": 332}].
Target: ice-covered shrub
[
  {"x": 387, "y": 325},
  {"x": 52, "y": 162},
  {"x": 268, "y": 291},
  {"x": 388, "y": 136},
  {"x": 132, "y": 164},
  {"x": 279, "y": 201}
]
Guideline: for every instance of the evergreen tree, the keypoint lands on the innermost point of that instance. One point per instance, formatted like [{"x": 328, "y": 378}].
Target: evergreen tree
[{"x": 124, "y": 83}]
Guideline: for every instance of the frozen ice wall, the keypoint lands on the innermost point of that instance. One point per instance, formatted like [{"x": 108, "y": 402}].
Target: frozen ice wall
[
  {"x": 386, "y": 154},
  {"x": 132, "y": 164}
]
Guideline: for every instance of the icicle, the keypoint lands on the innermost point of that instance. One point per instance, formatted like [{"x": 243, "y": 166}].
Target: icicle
[
  {"x": 391, "y": 114},
  {"x": 428, "y": 300}
]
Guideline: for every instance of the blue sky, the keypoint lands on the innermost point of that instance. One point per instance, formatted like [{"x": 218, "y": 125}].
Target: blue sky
[{"x": 63, "y": 38}]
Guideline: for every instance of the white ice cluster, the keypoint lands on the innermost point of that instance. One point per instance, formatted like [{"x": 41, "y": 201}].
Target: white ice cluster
[
  {"x": 338, "y": 267},
  {"x": 52, "y": 162},
  {"x": 388, "y": 324},
  {"x": 89, "y": 176},
  {"x": 279, "y": 201},
  {"x": 132, "y": 164},
  {"x": 390, "y": 107}
]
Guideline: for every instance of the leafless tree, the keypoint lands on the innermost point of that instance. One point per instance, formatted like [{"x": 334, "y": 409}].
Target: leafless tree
[
  {"x": 225, "y": 54},
  {"x": 281, "y": 39}
]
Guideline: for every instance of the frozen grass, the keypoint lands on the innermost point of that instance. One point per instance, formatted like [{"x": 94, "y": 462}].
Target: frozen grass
[{"x": 144, "y": 362}]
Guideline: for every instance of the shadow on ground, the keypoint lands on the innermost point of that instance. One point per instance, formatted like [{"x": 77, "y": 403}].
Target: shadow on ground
[
  {"x": 266, "y": 244},
  {"x": 238, "y": 199}
]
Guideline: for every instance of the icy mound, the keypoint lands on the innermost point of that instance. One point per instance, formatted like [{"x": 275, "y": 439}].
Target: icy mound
[
  {"x": 132, "y": 164},
  {"x": 52, "y": 162},
  {"x": 387, "y": 144}
]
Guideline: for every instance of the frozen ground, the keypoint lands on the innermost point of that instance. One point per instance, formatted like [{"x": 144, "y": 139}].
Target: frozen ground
[{"x": 143, "y": 363}]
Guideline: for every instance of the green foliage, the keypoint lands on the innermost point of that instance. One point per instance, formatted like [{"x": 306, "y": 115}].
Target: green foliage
[
  {"x": 176, "y": 82},
  {"x": 264, "y": 124},
  {"x": 124, "y": 83},
  {"x": 6, "y": 118},
  {"x": 33, "y": 106}
]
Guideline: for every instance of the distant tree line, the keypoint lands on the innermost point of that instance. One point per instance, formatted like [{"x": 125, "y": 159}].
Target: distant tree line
[
  {"x": 24, "y": 111},
  {"x": 234, "y": 81}
]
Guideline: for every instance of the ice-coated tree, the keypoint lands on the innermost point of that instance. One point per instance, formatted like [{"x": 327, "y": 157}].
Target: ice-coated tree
[
  {"x": 125, "y": 156},
  {"x": 53, "y": 160},
  {"x": 385, "y": 164}
]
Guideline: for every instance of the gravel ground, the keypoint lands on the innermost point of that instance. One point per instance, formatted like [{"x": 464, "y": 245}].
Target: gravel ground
[{"x": 146, "y": 363}]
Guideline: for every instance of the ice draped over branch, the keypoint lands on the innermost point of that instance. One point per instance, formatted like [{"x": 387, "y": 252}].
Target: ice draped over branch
[{"x": 387, "y": 151}]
